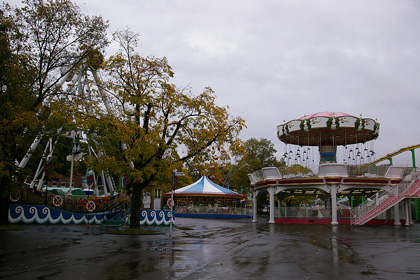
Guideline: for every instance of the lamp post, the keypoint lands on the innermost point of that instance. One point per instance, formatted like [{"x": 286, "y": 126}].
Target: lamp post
[{"x": 175, "y": 176}]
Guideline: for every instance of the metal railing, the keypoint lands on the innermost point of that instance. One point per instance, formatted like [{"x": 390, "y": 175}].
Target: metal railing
[
  {"x": 390, "y": 194},
  {"x": 311, "y": 170},
  {"x": 208, "y": 210},
  {"x": 307, "y": 212},
  {"x": 325, "y": 213}
]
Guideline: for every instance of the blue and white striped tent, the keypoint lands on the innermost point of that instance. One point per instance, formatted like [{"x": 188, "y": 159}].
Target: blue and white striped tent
[{"x": 205, "y": 187}]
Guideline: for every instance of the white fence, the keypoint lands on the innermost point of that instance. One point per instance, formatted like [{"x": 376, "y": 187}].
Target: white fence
[
  {"x": 310, "y": 213},
  {"x": 215, "y": 210}
]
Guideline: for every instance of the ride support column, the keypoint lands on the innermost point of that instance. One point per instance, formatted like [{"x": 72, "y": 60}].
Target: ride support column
[
  {"x": 334, "y": 221},
  {"x": 254, "y": 207},
  {"x": 271, "y": 192},
  {"x": 407, "y": 212},
  {"x": 413, "y": 157},
  {"x": 397, "y": 221}
]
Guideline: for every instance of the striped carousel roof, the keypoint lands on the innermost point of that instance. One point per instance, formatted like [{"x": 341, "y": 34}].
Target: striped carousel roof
[{"x": 205, "y": 186}]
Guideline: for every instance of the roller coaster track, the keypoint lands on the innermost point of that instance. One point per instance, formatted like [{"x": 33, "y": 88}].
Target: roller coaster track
[{"x": 402, "y": 150}]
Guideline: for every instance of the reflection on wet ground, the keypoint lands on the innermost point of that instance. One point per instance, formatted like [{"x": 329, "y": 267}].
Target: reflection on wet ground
[{"x": 213, "y": 249}]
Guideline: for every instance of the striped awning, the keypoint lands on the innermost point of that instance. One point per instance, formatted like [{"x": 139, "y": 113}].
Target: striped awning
[{"x": 205, "y": 186}]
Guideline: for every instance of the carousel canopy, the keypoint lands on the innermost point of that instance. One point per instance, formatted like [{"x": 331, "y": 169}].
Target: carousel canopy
[
  {"x": 328, "y": 129},
  {"x": 205, "y": 187}
]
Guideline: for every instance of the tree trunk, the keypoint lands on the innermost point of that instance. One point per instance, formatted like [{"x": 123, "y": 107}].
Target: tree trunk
[
  {"x": 136, "y": 205},
  {"x": 5, "y": 186},
  {"x": 4, "y": 210}
]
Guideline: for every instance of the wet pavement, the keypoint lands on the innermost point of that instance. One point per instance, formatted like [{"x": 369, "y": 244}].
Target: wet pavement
[{"x": 212, "y": 249}]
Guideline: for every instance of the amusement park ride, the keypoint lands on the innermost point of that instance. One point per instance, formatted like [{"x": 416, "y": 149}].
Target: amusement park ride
[
  {"x": 96, "y": 192},
  {"x": 308, "y": 172},
  {"x": 385, "y": 187}
]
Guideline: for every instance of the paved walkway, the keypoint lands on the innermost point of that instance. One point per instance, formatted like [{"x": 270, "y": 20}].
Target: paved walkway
[{"x": 213, "y": 249}]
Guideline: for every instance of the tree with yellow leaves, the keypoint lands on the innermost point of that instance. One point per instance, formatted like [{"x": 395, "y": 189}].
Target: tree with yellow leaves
[{"x": 153, "y": 126}]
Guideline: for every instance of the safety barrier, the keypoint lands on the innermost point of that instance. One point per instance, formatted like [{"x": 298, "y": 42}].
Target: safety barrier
[{"x": 389, "y": 196}]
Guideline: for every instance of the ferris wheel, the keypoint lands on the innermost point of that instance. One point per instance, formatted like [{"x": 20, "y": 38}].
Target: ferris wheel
[{"x": 81, "y": 78}]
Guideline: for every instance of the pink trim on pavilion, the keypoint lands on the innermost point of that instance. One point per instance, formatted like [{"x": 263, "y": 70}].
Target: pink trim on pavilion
[{"x": 326, "y": 115}]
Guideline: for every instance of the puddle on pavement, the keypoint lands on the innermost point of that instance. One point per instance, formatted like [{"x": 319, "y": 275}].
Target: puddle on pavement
[
  {"x": 184, "y": 228},
  {"x": 155, "y": 249}
]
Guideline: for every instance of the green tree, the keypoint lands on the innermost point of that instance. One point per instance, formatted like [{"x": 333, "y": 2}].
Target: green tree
[
  {"x": 297, "y": 168},
  {"x": 217, "y": 167},
  {"x": 154, "y": 127},
  {"x": 42, "y": 44},
  {"x": 297, "y": 200},
  {"x": 15, "y": 110},
  {"x": 255, "y": 155}
]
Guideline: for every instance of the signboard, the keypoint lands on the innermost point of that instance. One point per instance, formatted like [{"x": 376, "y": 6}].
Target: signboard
[
  {"x": 89, "y": 180},
  {"x": 170, "y": 202},
  {"x": 147, "y": 199}
]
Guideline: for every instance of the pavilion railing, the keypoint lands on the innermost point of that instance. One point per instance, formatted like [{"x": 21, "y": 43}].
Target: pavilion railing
[
  {"x": 311, "y": 170},
  {"x": 213, "y": 210},
  {"x": 394, "y": 191},
  {"x": 299, "y": 212}
]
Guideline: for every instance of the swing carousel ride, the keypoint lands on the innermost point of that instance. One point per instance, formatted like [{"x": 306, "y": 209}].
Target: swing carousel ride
[
  {"x": 327, "y": 131},
  {"x": 312, "y": 145}
]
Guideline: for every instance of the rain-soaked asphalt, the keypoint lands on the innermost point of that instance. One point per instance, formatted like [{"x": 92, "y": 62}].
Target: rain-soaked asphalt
[{"x": 212, "y": 249}]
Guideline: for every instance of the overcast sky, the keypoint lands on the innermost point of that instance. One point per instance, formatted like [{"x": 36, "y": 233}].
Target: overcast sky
[{"x": 271, "y": 61}]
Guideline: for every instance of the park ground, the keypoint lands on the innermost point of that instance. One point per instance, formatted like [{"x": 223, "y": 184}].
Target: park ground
[{"x": 212, "y": 249}]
